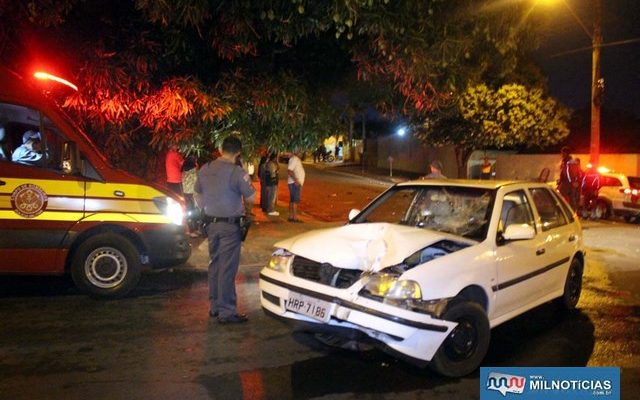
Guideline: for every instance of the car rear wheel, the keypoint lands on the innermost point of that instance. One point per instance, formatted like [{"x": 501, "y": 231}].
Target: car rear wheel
[
  {"x": 601, "y": 210},
  {"x": 572, "y": 287},
  {"x": 107, "y": 266},
  {"x": 464, "y": 349}
]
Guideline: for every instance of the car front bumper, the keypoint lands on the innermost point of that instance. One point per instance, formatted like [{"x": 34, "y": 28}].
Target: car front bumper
[{"x": 405, "y": 334}]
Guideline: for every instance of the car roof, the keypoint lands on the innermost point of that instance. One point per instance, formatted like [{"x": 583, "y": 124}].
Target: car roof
[
  {"x": 476, "y": 183},
  {"x": 613, "y": 174}
]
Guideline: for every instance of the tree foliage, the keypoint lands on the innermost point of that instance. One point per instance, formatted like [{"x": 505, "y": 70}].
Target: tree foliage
[
  {"x": 511, "y": 116},
  {"x": 194, "y": 71},
  {"x": 514, "y": 116}
]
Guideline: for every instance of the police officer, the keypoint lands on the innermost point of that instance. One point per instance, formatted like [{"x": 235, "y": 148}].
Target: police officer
[{"x": 220, "y": 190}]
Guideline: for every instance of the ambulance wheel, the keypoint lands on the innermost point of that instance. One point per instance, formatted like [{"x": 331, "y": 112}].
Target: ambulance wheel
[
  {"x": 106, "y": 266},
  {"x": 464, "y": 349}
]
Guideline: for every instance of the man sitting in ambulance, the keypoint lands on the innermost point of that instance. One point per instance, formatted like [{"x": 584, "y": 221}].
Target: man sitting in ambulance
[{"x": 30, "y": 152}]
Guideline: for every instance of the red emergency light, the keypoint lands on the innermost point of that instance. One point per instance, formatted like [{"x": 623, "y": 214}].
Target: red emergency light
[{"x": 46, "y": 76}]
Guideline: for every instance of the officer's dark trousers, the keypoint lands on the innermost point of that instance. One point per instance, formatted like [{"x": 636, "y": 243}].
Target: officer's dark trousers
[{"x": 224, "y": 258}]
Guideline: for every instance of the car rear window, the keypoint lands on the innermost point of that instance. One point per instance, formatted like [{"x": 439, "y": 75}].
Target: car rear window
[{"x": 634, "y": 182}]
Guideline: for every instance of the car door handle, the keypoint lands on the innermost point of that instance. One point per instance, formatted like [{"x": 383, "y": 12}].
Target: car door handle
[
  {"x": 2, "y": 183},
  {"x": 540, "y": 252},
  {"x": 572, "y": 238}
]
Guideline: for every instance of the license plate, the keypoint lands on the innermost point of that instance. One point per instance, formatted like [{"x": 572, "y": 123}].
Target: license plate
[{"x": 314, "y": 308}]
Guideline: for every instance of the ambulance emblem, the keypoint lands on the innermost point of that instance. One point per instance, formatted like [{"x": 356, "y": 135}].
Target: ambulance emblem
[{"x": 29, "y": 200}]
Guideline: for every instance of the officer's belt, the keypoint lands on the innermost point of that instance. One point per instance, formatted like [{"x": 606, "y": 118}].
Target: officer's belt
[{"x": 230, "y": 220}]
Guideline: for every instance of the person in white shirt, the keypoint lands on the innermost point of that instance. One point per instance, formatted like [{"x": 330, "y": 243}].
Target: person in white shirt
[{"x": 295, "y": 181}]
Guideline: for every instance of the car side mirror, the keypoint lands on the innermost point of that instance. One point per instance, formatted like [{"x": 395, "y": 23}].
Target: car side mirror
[
  {"x": 353, "y": 213},
  {"x": 519, "y": 232},
  {"x": 70, "y": 158}
]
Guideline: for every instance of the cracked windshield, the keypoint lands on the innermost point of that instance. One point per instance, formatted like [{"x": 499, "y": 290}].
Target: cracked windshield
[{"x": 457, "y": 210}]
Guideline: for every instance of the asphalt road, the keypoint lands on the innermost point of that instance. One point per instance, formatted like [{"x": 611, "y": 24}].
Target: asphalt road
[{"x": 160, "y": 344}]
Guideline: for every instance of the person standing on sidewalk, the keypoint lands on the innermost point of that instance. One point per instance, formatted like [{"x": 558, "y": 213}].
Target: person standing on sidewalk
[
  {"x": 262, "y": 177},
  {"x": 173, "y": 167},
  {"x": 295, "y": 180},
  {"x": 272, "y": 184},
  {"x": 435, "y": 171},
  {"x": 221, "y": 188}
]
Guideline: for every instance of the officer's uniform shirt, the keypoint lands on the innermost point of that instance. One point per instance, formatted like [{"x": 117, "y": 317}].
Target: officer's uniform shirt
[{"x": 222, "y": 185}]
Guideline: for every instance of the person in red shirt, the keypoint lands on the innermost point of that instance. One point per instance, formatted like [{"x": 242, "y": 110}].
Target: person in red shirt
[{"x": 173, "y": 166}]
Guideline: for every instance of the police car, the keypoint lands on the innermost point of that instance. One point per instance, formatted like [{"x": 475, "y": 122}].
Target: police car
[
  {"x": 65, "y": 209},
  {"x": 428, "y": 268}
]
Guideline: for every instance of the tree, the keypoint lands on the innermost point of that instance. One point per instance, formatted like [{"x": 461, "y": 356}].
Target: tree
[
  {"x": 509, "y": 117},
  {"x": 156, "y": 72}
]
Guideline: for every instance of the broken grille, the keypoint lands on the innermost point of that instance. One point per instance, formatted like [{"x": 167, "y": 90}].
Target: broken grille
[{"x": 324, "y": 273}]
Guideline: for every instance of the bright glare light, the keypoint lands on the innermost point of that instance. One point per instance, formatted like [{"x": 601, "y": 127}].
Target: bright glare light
[
  {"x": 46, "y": 76},
  {"x": 401, "y": 131},
  {"x": 603, "y": 170}
]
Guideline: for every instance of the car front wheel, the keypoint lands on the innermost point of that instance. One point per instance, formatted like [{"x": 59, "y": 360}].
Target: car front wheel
[
  {"x": 106, "y": 265},
  {"x": 464, "y": 349}
]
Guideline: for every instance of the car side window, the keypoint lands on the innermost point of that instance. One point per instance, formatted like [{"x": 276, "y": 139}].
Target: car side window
[
  {"x": 567, "y": 210},
  {"x": 610, "y": 181},
  {"x": 515, "y": 210},
  {"x": 551, "y": 215}
]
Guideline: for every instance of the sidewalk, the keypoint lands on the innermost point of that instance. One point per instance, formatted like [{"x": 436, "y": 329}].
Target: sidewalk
[{"x": 379, "y": 174}]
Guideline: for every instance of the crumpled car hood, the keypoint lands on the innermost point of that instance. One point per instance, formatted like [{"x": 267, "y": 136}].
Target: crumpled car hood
[{"x": 369, "y": 246}]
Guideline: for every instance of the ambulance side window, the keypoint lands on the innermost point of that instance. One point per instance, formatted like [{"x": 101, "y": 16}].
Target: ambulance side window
[
  {"x": 21, "y": 127},
  {"x": 54, "y": 141},
  {"x": 30, "y": 138}
]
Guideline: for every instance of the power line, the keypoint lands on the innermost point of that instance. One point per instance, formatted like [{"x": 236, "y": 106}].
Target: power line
[{"x": 611, "y": 44}]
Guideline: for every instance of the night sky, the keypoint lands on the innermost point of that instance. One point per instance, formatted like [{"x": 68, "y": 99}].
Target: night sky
[{"x": 569, "y": 74}]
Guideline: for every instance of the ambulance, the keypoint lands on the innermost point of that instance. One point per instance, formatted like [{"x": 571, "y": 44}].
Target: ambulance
[{"x": 64, "y": 209}]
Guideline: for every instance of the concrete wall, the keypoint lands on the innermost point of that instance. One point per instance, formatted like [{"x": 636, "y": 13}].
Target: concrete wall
[{"x": 409, "y": 154}]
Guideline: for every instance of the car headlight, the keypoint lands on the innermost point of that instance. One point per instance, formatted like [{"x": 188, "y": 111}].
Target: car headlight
[
  {"x": 390, "y": 286},
  {"x": 170, "y": 208},
  {"x": 280, "y": 260}
]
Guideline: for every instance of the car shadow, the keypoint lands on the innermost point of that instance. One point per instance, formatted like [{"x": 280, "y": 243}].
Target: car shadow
[
  {"x": 543, "y": 336},
  {"x": 152, "y": 282}
]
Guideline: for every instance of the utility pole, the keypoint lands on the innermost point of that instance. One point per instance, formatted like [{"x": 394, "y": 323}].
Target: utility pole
[
  {"x": 364, "y": 140},
  {"x": 597, "y": 83}
]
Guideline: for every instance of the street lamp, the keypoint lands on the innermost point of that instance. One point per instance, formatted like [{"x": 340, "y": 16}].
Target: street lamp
[{"x": 401, "y": 131}]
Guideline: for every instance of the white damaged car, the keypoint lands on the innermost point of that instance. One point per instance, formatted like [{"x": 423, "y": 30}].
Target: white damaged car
[{"x": 429, "y": 267}]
